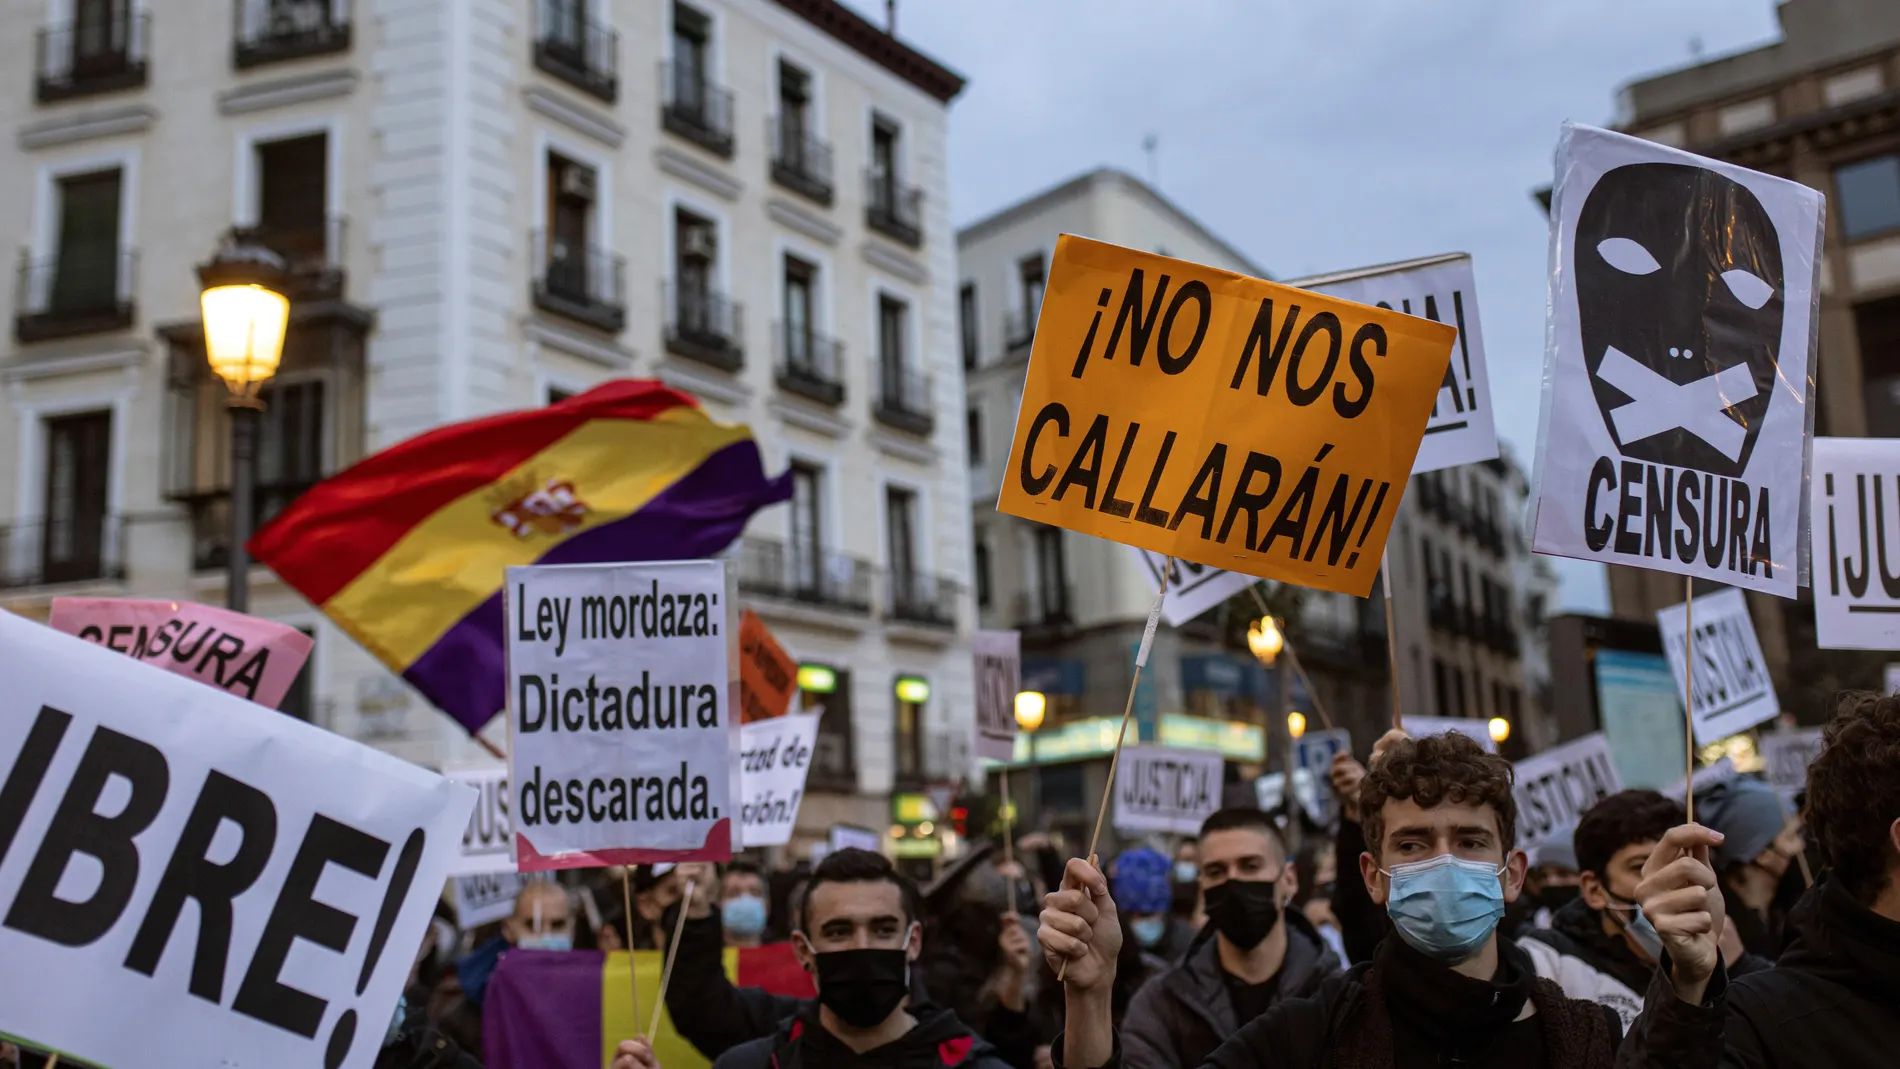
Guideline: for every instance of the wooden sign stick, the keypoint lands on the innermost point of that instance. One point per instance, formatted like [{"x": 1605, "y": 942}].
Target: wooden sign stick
[
  {"x": 626, "y": 901},
  {"x": 1293, "y": 659},
  {"x": 672, "y": 953},
  {"x": 1128, "y": 710},
  {"x": 1688, "y": 695}
]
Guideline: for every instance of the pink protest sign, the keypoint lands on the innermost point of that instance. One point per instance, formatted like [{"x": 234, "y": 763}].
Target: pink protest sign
[{"x": 249, "y": 657}]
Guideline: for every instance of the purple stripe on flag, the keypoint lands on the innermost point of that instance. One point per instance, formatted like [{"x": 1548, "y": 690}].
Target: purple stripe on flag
[
  {"x": 542, "y": 1011},
  {"x": 698, "y": 516}
]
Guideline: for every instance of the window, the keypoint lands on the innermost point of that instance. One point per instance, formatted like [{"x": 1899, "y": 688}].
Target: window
[
  {"x": 292, "y": 176},
  {"x": 289, "y": 440},
  {"x": 794, "y": 109},
  {"x": 1441, "y": 687},
  {"x": 884, "y": 160},
  {"x": 78, "y": 458},
  {"x": 556, "y": 395},
  {"x": 86, "y": 268},
  {"x": 966, "y": 324},
  {"x": 1869, "y": 195},
  {"x": 900, "y": 525},
  {"x": 799, "y": 280},
  {"x": 1034, "y": 275},
  {"x": 982, "y": 552},
  {"x": 572, "y": 188},
  {"x": 831, "y": 754},
  {"x": 1497, "y": 697},
  {"x": 973, "y": 432},
  {"x": 807, "y": 528},
  {"x": 892, "y": 324},
  {"x": 1534, "y": 611},
  {"x": 692, "y": 47},
  {"x": 1458, "y": 692},
  {"x": 1052, "y": 574},
  {"x": 909, "y": 740},
  {"x": 696, "y": 247}
]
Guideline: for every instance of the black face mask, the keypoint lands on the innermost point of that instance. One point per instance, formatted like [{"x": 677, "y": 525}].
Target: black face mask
[
  {"x": 862, "y": 986},
  {"x": 1243, "y": 910},
  {"x": 1557, "y": 896}
]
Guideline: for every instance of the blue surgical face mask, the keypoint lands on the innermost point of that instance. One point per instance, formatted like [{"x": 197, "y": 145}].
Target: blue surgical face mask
[
  {"x": 1148, "y": 930},
  {"x": 1445, "y": 907},
  {"x": 1633, "y": 921},
  {"x": 546, "y": 941},
  {"x": 1186, "y": 872},
  {"x": 743, "y": 915}
]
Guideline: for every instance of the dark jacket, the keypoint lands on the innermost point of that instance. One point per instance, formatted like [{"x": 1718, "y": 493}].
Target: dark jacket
[
  {"x": 1179, "y": 1017},
  {"x": 714, "y": 1016},
  {"x": 1832, "y": 1000},
  {"x": 418, "y": 1045},
  {"x": 939, "y": 1041},
  {"x": 1363, "y": 923}
]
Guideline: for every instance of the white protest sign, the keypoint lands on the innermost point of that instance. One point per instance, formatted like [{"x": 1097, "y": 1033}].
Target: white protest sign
[
  {"x": 852, "y": 837},
  {"x": 253, "y": 894},
  {"x": 1785, "y": 757},
  {"x": 1192, "y": 589},
  {"x": 1856, "y": 589},
  {"x": 1892, "y": 679},
  {"x": 1313, "y": 752},
  {"x": 1732, "y": 688},
  {"x": 488, "y": 844},
  {"x": 1678, "y": 359},
  {"x": 1555, "y": 788},
  {"x": 774, "y": 756},
  {"x": 1160, "y": 788},
  {"x": 486, "y": 898},
  {"x": 1704, "y": 776},
  {"x": 999, "y": 673},
  {"x": 1477, "y": 731},
  {"x": 1444, "y": 290},
  {"x": 623, "y": 742}
]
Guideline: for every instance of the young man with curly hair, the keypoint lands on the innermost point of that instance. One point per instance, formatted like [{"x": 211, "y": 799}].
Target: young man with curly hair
[
  {"x": 1445, "y": 988},
  {"x": 1833, "y": 997}
]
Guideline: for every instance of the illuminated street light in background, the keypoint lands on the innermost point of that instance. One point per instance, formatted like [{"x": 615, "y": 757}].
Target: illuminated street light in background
[
  {"x": 1500, "y": 729},
  {"x": 1265, "y": 640},
  {"x": 1030, "y": 707},
  {"x": 1295, "y": 724}
]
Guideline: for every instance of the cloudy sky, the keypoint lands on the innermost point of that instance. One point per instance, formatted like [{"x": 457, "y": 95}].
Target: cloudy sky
[{"x": 1320, "y": 134}]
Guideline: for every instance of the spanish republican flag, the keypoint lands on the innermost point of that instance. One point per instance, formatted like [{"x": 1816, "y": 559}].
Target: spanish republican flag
[
  {"x": 405, "y": 550},
  {"x": 569, "y": 1010}
]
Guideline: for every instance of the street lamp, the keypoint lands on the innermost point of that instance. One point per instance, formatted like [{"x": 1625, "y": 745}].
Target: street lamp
[
  {"x": 1265, "y": 640},
  {"x": 1295, "y": 724},
  {"x": 245, "y": 315},
  {"x": 1500, "y": 729},
  {"x": 1030, "y": 707}
]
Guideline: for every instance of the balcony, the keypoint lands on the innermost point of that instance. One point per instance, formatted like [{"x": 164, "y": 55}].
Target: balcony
[
  {"x": 1045, "y": 615},
  {"x": 78, "y": 59},
  {"x": 922, "y": 599},
  {"x": 800, "y": 162},
  {"x": 313, "y": 255},
  {"x": 819, "y": 578},
  {"x": 578, "y": 49},
  {"x": 1019, "y": 333},
  {"x": 696, "y": 109},
  {"x": 50, "y": 552},
  {"x": 581, "y": 282},
  {"x": 903, "y": 401},
  {"x": 896, "y": 211},
  {"x": 84, "y": 293},
  {"x": 272, "y": 31},
  {"x": 704, "y": 325},
  {"x": 809, "y": 364}
]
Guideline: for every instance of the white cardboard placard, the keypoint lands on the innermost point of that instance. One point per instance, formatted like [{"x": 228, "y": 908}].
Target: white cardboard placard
[
  {"x": 1555, "y": 788},
  {"x": 488, "y": 844},
  {"x": 485, "y": 898},
  {"x": 1732, "y": 688},
  {"x": 623, "y": 740},
  {"x": 1193, "y": 588},
  {"x": 1442, "y": 289},
  {"x": 1679, "y": 346},
  {"x": 1856, "y": 499},
  {"x": 774, "y": 759},
  {"x": 999, "y": 674},
  {"x": 335, "y": 854},
  {"x": 1314, "y": 752},
  {"x": 1161, "y": 788},
  {"x": 1786, "y": 756}
]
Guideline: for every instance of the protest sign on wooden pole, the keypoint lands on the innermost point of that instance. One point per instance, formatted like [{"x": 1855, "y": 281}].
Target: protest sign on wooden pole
[
  {"x": 1688, "y": 688},
  {"x": 626, "y": 903},
  {"x": 1293, "y": 659},
  {"x": 672, "y": 955}
]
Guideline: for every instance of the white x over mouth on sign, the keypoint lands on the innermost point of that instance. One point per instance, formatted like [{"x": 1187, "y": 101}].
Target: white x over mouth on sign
[{"x": 1658, "y": 405}]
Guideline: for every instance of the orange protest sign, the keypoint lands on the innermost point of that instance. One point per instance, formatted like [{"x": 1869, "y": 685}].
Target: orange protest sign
[
  {"x": 1219, "y": 418},
  {"x": 767, "y": 674}
]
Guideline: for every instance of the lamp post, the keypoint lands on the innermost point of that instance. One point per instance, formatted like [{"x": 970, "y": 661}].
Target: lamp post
[
  {"x": 1031, "y": 706},
  {"x": 245, "y": 315},
  {"x": 1265, "y": 641}
]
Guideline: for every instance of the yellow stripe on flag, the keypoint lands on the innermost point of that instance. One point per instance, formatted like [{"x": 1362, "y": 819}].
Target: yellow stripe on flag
[
  {"x": 616, "y": 1009},
  {"x": 452, "y": 561}
]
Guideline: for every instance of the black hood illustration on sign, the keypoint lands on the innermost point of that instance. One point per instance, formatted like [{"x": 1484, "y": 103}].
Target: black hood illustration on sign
[{"x": 1679, "y": 303}]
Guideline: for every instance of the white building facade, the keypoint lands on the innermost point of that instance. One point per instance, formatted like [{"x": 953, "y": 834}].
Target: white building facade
[{"x": 490, "y": 204}]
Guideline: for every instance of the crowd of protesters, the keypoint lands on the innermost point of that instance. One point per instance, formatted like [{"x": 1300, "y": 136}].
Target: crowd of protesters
[{"x": 1764, "y": 935}]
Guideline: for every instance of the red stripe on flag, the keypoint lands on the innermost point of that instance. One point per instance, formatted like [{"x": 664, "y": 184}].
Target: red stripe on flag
[
  {"x": 338, "y": 528},
  {"x": 775, "y": 968}
]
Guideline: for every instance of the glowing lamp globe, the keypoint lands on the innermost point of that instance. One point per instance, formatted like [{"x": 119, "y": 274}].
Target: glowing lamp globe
[
  {"x": 1295, "y": 725},
  {"x": 245, "y": 313},
  {"x": 1030, "y": 707},
  {"x": 1500, "y": 729},
  {"x": 1265, "y": 640}
]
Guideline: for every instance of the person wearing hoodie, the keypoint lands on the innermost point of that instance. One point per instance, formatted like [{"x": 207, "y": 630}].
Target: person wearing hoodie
[
  {"x": 1446, "y": 988},
  {"x": 1761, "y": 841},
  {"x": 859, "y": 934},
  {"x": 1259, "y": 953},
  {"x": 1832, "y": 1001}
]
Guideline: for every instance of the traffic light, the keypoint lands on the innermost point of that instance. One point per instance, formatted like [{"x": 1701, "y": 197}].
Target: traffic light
[{"x": 960, "y": 819}]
